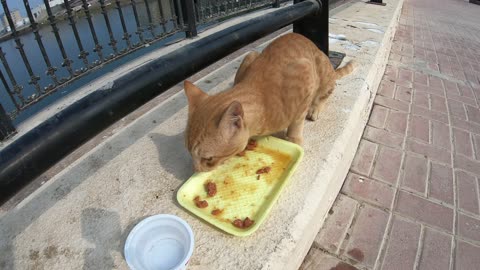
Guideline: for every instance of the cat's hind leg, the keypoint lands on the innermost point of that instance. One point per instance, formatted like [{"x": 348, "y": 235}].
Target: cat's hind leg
[
  {"x": 245, "y": 64},
  {"x": 317, "y": 105}
]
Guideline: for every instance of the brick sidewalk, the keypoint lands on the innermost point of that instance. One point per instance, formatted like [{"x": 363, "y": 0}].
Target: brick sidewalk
[{"x": 411, "y": 198}]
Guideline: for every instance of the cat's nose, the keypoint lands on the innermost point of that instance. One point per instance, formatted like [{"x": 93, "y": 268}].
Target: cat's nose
[{"x": 200, "y": 168}]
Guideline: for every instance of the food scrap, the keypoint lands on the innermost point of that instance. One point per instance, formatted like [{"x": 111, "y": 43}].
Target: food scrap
[
  {"x": 251, "y": 144},
  {"x": 247, "y": 222},
  {"x": 199, "y": 203},
  {"x": 258, "y": 177},
  {"x": 238, "y": 223},
  {"x": 216, "y": 212},
  {"x": 264, "y": 170},
  {"x": 211, "y": 189}
]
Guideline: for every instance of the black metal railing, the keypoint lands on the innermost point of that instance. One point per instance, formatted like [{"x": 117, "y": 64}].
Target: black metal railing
[
  {"x": 111, "y": 28},
  {"x": 209, "y": 10},
  {"x": 62, "y": 43}
]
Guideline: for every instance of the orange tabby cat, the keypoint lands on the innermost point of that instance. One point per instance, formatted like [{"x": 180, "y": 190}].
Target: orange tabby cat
[{"x": 273, "y": 91}]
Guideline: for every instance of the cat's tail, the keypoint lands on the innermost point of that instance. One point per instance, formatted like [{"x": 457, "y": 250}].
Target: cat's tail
[{"x": 345, "y": 70}]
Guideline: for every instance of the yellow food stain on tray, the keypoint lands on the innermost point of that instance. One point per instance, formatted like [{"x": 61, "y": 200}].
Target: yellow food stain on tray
[{"x": 241, "y": 192}]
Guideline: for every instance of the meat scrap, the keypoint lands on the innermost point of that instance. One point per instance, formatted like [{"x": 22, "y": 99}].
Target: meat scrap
[
  {"x": 199, "y": 203},
  {"x": 241, "y": 154},
  {"x": 211, "y": 189},
  {"x": 264, "y": 170},
  {"x": 238, "y": 223},
  {"x": 247, "y": 222},
  {"x": 251, "y": 144},
  {"x": 216, "y": 212}
]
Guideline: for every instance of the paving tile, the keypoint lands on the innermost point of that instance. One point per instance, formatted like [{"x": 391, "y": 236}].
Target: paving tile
[
  {"x": 366, "y": 235},
  {"x": 421, "y": 99},
  {"x": 446, "y": 70},
  {"x": 433, "y": 66},
  {"x": 476, "y": 89},
  {"x": 476, "y": 145},
  {"x": 434, "y": 153},
  {"x": 458, "y": 74},
  {"x": 407, "y": 50},
  {"x": 436, "y": 250},
  {"x": 457, "y": 109},
  {"x": 420, "y": 77},
  {"x": 368, "y": 190},
  {"x": 337, "y": 224},
  {"x": 415, "y": 176},
  {"x": 451, "y": 87},
  {"x": 428, "y": 89},
  {"x": 384, "y": 137},
  {"x": 405, "y": 77},
  {"x": 386, "y": 88},
  {"x": 466, "y": 256},
  {"x": 469, "y": 227},
  {"x": 404, "y": 94},
  {"x": 391, "y": 71},
  {"x": 402, "y": 245},
  {"x": 467, "y": 164},
  {"x": 466, "y": 100},
  {"x": 438, "y": 103},
  {"x": 441, "y": 135},
  {"x": 441, "y": 183},
  {"x": 391, "y": 103},
  {"x": 462, "y": 142},
  {"x": 473, "y": 114},
  {"x": 378, "y": 117},
  {"x": 433, "y": 115},
  {"x": 467, "y": 186},
  {"x": 363, "y": 160},
  {"x": 425, "y": 211},
  {"x": 387, "y": 165},
  {"x": 435, "y": 82},
  {"x": 466, "y": 125},
  {"x": 431, "y": 55},
  {"x": 466, "y": 91},
  {"x": 419, "y": 128},
  {"x": 397, "y": 122}
]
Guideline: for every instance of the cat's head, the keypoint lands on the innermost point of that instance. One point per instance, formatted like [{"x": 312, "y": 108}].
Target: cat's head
[{"x": 215, "y": 131}]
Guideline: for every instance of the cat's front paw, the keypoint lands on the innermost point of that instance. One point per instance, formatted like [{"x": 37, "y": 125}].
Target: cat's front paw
[
  {"x": 295, "y": 140},
  {"x": 313, "y": 114}
]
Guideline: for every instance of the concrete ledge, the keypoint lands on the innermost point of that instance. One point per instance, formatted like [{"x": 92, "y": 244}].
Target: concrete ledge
[{"x": 82, "y": 217}]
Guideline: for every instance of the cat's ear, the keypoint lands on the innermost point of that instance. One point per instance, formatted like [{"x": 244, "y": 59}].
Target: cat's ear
[
  {"x": 232, "y": 118},
  {"x": 194, "y": 94}
]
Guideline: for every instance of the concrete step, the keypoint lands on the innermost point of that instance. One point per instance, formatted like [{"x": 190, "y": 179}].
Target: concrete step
[{"x": 82, "y": 216}]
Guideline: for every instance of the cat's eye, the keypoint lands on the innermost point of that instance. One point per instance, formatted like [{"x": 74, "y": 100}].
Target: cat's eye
[{"x": 208, "y": 161}]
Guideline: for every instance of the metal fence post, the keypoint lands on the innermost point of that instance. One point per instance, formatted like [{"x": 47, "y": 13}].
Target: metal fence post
[
  {"x": 6, "y": 127},
  {"x": 376, "y": 2},
  {"x": 188, "y": 10},
  {"x": 315, "y": 27}
]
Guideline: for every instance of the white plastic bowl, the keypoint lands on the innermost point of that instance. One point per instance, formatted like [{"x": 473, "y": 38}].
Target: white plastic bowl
[{"x": 160, "y": 242}]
